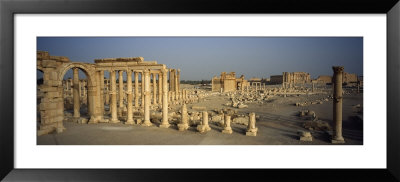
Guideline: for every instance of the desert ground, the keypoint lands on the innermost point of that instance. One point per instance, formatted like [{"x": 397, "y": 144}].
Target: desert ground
[{"x": 279, "y": 119}]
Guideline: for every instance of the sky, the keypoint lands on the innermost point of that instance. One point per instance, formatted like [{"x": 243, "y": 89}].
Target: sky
[{"x": 201, "y": 58}]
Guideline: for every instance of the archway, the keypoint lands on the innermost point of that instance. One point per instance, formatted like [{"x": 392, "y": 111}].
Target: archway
[{"x": 93, "y": 104}]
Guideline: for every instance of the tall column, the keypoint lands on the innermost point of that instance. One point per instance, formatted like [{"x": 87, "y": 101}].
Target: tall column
[
  {"x": 154, "y": 89},
  {"x": 79, "y": 88},
  {"x": 102, "y": 92},
  {"x": 147, "y": 98},
  {"x": 164, "y": 122},
  {"x": 136, "y": 89},
  {"x": 142, "y": 86},
  {"x": 99, "y": 98},
  {"x": 121, "y": 93},
  {"x": 337, "y": 103},
  {"x": 178, "y": 79},
  {"x": 129, "y": 119},
  {"x": 172, "y": 80},
  {"x": 76, "y": 94},
  {"x": 114, "y": 118},
  {"x": 160, "y": 83}
]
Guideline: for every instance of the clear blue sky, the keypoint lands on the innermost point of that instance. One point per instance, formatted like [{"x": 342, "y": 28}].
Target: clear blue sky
[{"x": 200, "y": 58}]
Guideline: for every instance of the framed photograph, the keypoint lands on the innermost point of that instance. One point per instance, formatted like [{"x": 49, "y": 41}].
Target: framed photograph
[{"x": 149, "y": 90}]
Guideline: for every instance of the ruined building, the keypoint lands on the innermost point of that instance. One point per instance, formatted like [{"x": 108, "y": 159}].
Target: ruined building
[
  {"x": 291, "y": 78},
  {"x": 154, "y": 88},
  {"x": 228, "y": 82},
  {"x": 347, "y": 78}
]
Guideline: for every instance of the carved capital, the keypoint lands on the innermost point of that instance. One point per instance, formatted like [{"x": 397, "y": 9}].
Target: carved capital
[{"x": 338, "y": 69}]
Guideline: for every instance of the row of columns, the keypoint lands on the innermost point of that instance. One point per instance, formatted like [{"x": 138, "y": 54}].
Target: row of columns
[{"x": 146, "y": 95}]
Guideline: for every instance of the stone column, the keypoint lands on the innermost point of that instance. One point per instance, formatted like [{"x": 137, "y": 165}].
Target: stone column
[
  {"x": 76, "y": 93},
  {"x": 184, "y": 119},
  {"x": 99, "y": 98},
  {"x": 121, "y": 93},
  {"x": 251, "y": 127},
  {"x": 147, "y": 98},
  {"x": 102, "y": 92},
  {"x": 136, "y": 89},
  {"x": 337, "y": 103},
  {"x": 164, "y": 122},
  {"x": 178, "y": 80},
  {"x": 129, "y": 119},
  {"x": 71, "y": 92},
  {"x": 79, "y": 88},
  {"x": 114, "y": 118},
  {"x": 160, "y": 82},
  {"x": 313, "y": 87},
  {"x": 154, "y": 89},
  {"x": 227, "y": 125},
  {"x": 204, "y": 126},
  {"x": 172, "y": 80},
  {"x": 142, "y": 86}
]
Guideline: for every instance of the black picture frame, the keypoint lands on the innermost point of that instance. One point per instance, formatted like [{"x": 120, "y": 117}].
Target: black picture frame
[{"x": 8, "y": 8}]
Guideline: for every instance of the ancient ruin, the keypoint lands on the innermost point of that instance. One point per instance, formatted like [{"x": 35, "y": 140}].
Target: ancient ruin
[
  {"x": 96, "y": 91},
  {"x": 228, "y": 82},
  {"x": 134, "y": 92}
]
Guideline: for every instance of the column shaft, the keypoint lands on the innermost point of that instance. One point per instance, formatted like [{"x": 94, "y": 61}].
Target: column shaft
[
  {"x": 114, "y": 118},
  {"x": 129, "y": 119},
  {"x": 121, "y": 93},
  {"x": 337, "y": 103},
  {"x": 136, "y": 89},
  {"x": 154, "y": 89},
  {"x": 76, "y": 93},
  {"x": 147, "y": 98}
]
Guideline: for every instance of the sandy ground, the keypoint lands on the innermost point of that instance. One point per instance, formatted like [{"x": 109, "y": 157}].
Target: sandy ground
[{"x": 278, "y": 124}]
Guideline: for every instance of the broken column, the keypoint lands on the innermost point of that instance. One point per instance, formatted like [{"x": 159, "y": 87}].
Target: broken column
[
  {"x": 204, "y": 126},
  {"x": 184, "y": 119},
  {"x": 251, "y": 127},
  {"x": 129, "y": 119},
  {"x": 114, "y": 118},
  {"x": 227, "y": 125},
  {"x": 76, "y": 93},
  {"x": 164, "y": 122},
  {"x": 313, "y": 87},
  {"x": 147, "y": 98},
  {"x": 337, "y": 104}
]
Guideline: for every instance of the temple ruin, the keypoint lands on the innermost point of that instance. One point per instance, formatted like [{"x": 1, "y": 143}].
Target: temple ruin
[{"x": 228, "y": 82}]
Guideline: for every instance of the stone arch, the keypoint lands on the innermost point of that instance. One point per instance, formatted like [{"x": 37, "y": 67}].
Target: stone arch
[
  {"x": 90, "y": 73},
  {"x": 86, "y": 68}
]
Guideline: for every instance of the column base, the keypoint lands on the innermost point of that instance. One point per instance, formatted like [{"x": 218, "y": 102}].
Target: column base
[
  {"x": 203, "y": 128},
  {"x": 183, "y": 127},
  {"x": 227, "y": 131},
  {"x": 249, "y": 133},
  {"x": 306, "y": 139},
  {"x": 130, "y": 122},
  {"x": 337, "y": 141},
  {"x": 166, "y": 125},
  {"x": 115, "y": 121},
  {"x": 147, "y": 123}
]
